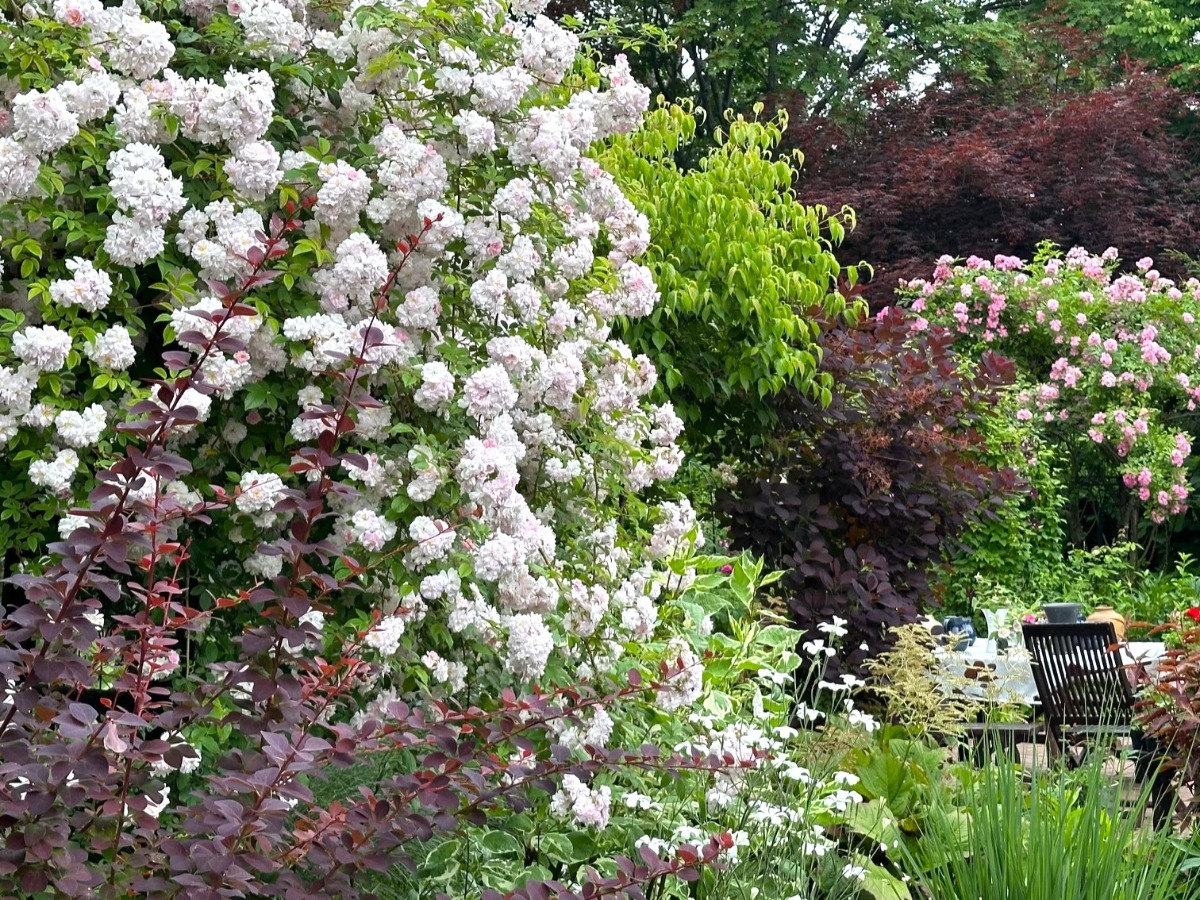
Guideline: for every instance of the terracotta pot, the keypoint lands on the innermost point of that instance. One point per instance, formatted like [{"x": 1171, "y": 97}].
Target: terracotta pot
[{"x": 1108, "y": 614}]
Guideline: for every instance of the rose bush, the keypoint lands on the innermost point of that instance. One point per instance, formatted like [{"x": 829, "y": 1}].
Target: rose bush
[
  {"x": 305, "y": 360},
  {"x": 1014, "y": 557},
  {"x": 1113, "y": 362}
]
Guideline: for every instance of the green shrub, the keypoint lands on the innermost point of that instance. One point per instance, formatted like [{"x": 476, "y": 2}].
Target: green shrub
[{"x": 745, "y": 268}]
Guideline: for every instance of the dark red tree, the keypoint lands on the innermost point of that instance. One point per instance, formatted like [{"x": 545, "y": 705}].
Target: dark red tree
[
  {"x": 864, "y": 496},
  {"x": 948, "y": 173}
]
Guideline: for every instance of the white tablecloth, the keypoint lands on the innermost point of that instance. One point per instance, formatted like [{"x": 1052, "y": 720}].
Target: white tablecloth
[{"x": 1008, "y": 676}]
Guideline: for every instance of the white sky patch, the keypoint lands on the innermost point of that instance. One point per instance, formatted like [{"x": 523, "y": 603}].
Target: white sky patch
[
  {"x": 923, "y": 77},
  {"x": 850, "y": 40}
]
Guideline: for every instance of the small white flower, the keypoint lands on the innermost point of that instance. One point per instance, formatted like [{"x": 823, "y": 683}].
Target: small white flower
[
  {"x": 385, "y": 635},
  {"x": 804, "y": 711},
  {"x": 835, "y": 629},
  {"x": 776, "y": 678},
  {"x": 155, "y": 809},
  {"x": 867, "y": 721},
  {"x": 634, "y": 800},
  {"x": 842, "y": 800}
]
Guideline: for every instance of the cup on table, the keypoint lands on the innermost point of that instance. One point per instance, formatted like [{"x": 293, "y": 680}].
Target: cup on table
[{"x": 960, "y": 632}]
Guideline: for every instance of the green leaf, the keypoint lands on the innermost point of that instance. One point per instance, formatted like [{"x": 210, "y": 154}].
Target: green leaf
[
  {"x": 498, "y": 877},
  {"x": 536, "y": 872},
  {"x": 874, "y": 820},
  {"x": 583, "y": 847},
  {"x": 442, "y": 854},
  {"x": 257, "y": 395},
  {"x": 884, "y": 776},
  {"x": 501, "y": 843},
  {"x": 777, "y": 636},
  {"x": 880, "y": 883},
  {"x": 718, "y": 704},
  {"x": 556, "y": 847}
]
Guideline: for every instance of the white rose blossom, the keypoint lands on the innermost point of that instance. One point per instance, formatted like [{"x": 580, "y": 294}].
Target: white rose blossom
[{"x": 497, "y": 418}]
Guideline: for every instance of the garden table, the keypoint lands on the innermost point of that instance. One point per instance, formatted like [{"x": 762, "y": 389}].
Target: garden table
[
  {"x": 1006, "y": 676},
  {"x": 982, "y": 672}
]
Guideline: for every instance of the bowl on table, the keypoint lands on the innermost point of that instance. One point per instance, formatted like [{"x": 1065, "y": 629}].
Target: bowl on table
[{"x": 1062, "y": 613}]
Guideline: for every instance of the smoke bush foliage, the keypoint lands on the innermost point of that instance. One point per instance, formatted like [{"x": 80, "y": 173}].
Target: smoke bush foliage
[
  {"x": 866, "y": 496},
  {"x": 305, "y": 353}
]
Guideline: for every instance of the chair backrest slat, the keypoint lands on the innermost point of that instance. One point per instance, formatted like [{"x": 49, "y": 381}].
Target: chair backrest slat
[{"x": 1079, "y": 674}]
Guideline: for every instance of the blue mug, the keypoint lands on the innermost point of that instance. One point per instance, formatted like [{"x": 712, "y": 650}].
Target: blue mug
[{"x": 960, "y": 631}]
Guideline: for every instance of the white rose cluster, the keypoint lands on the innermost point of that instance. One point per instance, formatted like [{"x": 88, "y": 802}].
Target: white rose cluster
[
  {"x": 462, "y": 269},
  {"x": 88, "y": 288},
  {"x": 587, "y": 807}
]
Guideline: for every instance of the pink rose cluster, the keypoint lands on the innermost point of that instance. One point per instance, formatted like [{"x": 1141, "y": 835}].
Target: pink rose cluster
[
  {"x": 1165, "y": 499},
  {"x": 1127, "y": 345}
]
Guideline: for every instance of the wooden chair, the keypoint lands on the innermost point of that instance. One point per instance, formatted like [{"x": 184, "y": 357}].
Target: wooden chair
[
  {"x": 1086, "y": 696},
  {"x": 1081, "y": 682}
]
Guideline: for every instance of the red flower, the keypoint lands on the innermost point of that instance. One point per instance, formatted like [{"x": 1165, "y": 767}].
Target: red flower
[{"x": 1193, "y": 613}]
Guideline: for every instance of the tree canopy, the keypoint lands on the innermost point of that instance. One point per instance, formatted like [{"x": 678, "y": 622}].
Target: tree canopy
[
  {"x": 814, "y": 59},
  {"x": 950, "y": 174}
]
